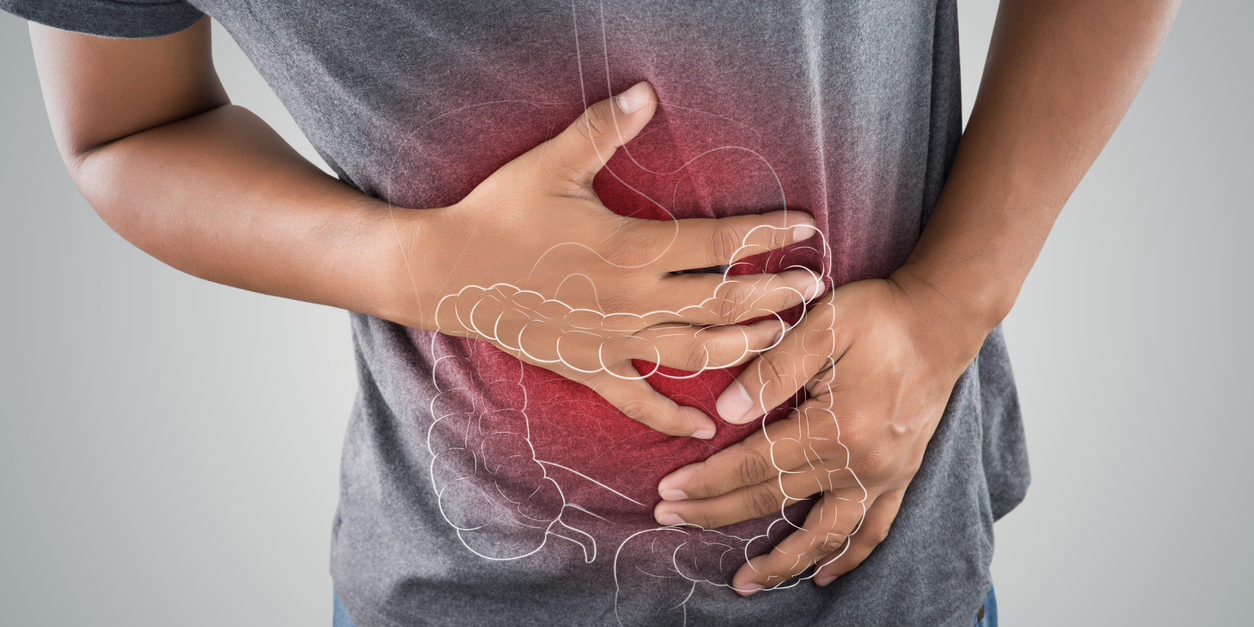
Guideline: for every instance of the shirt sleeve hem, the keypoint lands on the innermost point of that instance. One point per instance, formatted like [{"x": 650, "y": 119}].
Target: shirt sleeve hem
[{"x": 107, "y": 18}]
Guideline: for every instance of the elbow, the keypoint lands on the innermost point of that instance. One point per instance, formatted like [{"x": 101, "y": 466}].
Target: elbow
[
  {"x": 112, "y": 193},
  {"x": 129, "y": 180}
]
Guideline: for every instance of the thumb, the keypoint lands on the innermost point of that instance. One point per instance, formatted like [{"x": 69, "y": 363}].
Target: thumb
[{"x": 583, "y": 148}]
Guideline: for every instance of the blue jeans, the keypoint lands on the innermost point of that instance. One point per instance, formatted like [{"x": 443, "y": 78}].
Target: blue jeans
[
  {"x": 340, "y": 617},
  {"x": 990, "y": 611}
]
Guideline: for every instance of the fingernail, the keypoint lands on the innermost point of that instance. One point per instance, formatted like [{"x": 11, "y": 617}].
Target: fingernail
[
  {"x": 734, "y": 403},
  {"x": 635, "y": 97},
  {"x": 823, "y": 581},
  {"x": 779, "y": 335},
  {"x": 670, "y": 484},
  {"x": 801, "y": 232},
  {"x": 704, "y": 433},
  {"x": 670, "y": 519},
  {"x": 674, "y": 494},
  {"x": 815, "y": 290},
  {"x": 748, "y": 589}
]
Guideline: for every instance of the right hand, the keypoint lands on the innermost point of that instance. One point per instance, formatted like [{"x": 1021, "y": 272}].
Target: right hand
[{"x": 536, "y": 265}]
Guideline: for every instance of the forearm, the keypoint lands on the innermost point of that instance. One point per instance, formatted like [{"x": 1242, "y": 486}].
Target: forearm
[
  {"x": 1059, "y": 76},
  {"x": 221, "y": 196}
]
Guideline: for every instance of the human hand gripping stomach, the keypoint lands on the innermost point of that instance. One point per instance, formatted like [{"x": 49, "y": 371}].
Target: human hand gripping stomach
[{"x": 560, "y": 281}]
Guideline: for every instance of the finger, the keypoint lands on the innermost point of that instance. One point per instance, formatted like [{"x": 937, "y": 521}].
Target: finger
[
  {"x": 695, "y": 349},
  {"x": 776, "y": 375},
  {"x": 872, "y": 532},
  {"x": 715, "y": 299},
  {"x": 788, "y": 444},
  {"x": 822, "y": 536},
  {"x": 693, "y": 243},
  {"x": 768, "y": 497},
  {"x": 623, "y": 388},
  {"x": 582, "y": 149}
]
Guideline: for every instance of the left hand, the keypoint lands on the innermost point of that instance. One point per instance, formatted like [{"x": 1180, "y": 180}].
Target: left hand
[{"x": 878, "y": 359}]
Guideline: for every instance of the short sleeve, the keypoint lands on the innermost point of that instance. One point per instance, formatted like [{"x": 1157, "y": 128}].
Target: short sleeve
[{"x": 108, "y": 18}]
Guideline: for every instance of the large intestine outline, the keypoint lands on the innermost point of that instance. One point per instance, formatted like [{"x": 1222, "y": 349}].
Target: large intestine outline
[
  {"x": 682, "y": 547},
  {"x": 500, "y": 497},
  {"x": 456, "y": 476}
]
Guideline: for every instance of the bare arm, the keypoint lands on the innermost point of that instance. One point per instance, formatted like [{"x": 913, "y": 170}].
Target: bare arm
[
  {"x": 1060, "y": 75},
  {"x": 149, "y": 137}
]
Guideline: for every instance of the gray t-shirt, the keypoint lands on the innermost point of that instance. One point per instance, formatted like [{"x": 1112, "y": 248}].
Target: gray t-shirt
[{"x": 476, "y": 489}]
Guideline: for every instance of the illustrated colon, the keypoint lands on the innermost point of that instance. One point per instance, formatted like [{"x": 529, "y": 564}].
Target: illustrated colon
[{"x": 521, "y": 456}]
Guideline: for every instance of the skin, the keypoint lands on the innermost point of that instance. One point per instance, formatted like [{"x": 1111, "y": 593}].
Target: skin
[
  {"x": 881, "y": 356},
  {"x": 150, "y": 138}
]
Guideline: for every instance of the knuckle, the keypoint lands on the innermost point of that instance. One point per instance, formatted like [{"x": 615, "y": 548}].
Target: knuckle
[
  {"x": 696, "y": 358},
  {"x": 724, "y": 345},
  {"x": 770, "y": 373},
  {"x": 753, "y": 468},
  {"x": 829, "y": 543},
  {"x": 637, "y": 410},
  {"x": 647, "y": 414},
  {"x": 596, "y": 121},
  {"x": 725, "y": 240},
  {"x": 732, "y": 303},
  {"x": 761, "y": 501},
  {"x": 551, "y": 167}
]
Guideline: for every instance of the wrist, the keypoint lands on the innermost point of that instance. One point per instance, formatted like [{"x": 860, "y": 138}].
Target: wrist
[
  {"x": 966, "y": 309},
  {"x": 401, "y": 241}
]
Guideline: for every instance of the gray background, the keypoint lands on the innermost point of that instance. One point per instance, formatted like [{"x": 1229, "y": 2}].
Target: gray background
[{"x": 169, "y": 448}]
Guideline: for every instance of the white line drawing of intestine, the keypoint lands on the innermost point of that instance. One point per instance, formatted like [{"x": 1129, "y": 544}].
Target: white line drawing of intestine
[
  {"x": 500, "y": 496},
  {"x": 490, "y": 484},
  {"x": 657, "y": 570}
]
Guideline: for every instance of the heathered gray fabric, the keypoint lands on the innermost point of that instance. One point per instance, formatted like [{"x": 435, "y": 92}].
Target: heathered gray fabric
[
  {"x": 108, "y": 18},
  {"x": 856, "y": 107}
]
